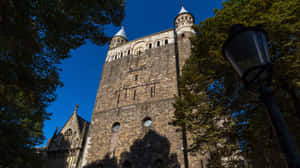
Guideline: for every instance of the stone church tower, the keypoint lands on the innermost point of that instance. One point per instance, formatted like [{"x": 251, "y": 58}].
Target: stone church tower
[{"x": 130, "y": 125}]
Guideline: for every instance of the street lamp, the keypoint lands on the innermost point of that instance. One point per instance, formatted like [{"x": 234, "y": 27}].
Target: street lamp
[{"x": 246, "y": 50}]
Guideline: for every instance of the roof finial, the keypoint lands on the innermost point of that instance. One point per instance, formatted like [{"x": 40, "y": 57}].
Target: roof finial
[
  {"x": 76, "y": 108},
  {"x": 181, "y": 3}
]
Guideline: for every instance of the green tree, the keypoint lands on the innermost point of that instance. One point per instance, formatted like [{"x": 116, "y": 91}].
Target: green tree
[
  {"x": 35, "y": 36},
  {"x": 212, "y": 93}
]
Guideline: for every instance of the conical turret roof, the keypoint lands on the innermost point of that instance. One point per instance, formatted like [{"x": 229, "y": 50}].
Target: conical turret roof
[
  {"x": 183, "y": 10},
  {"x": 121, "y": 33}
]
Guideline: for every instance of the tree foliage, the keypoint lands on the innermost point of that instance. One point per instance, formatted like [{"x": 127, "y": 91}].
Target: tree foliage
[
  {"x": 215, "y": 107},
  {"x": 35, "y": 36}
]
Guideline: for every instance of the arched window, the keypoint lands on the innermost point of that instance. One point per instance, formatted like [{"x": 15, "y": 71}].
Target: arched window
[
  {"x": 166, "y": 41},
  {"x": 116, "y": 126},
  {"x": 68, "y": 132},
  {"x": 158, "y": 43}
]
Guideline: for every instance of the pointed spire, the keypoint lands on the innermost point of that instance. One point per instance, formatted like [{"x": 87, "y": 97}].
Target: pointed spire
[
  {"x": 121, "y": 33},
  {"x": 183, "y": 10},
  {"x": 76, "y": 109}
]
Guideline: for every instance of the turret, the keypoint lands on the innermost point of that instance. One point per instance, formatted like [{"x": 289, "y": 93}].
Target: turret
[
  {"x": 184, "y": 21},
  {"x": 118, "y": 39}
]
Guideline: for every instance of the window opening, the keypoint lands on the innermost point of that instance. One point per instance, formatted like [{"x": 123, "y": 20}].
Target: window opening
[
  {"x": 150, "y": 45},
  {"x": 202, "y": 166},
  {"x": 147, "y": 122},
  {"x": 118, "y": 100},
  {"x": 166, "y": 41},
  {"x": 116, "y": 127},
  {"x": 152, "y": 91},
  {"x": 158, "y": 43},
  {"x": 136, "y": 77},
  {"x": 121, "y": 55},
  {"x": 182, "y": 35},
  {"x": 68, "y": 132},
  {"x": 134, "y": 94},
  {"x": 128, "y": 52}
]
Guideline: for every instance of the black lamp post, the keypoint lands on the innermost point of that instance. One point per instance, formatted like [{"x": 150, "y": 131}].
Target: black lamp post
[{"x": 246, "y": 50}]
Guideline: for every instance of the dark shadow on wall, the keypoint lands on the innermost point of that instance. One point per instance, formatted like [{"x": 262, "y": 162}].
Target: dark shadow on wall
[
  {"x": 58, "y": 151},
  {"x": 153, "y": 150}
]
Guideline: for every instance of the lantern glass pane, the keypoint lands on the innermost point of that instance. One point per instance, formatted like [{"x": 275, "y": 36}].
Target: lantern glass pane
[
  {"x": 262, "y": 43},
  {"x": 245, "y": 50}
]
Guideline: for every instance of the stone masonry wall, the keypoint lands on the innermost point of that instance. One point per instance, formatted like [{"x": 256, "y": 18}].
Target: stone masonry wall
[{"x": 131, "y": 89}]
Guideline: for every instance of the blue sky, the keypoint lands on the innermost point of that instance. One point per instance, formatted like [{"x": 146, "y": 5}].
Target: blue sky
[{"x": 81, "y": 73}]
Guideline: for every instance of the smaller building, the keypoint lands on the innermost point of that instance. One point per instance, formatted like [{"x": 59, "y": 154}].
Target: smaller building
[{"x": 65, "y": 148}]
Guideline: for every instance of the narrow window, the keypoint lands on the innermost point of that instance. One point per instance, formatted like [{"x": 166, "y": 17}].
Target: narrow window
[
  {"x": 125, "y": 95},
  {"x": 128, "y": 52},
  {"x": 152, "y": 91},
  {"x": 182, "y": 35},
  {"x": 202, "y": 166},
  {"x": 136, "y": 77},
  {"x": 150, "y": 45},
  {"x": 121, "y": 55},
  {"x": 166, "y": 42},
  {"x": 134, "y": 94},
  {"x": 118, "y": 100},
  {"x": 158, "y": 43}
]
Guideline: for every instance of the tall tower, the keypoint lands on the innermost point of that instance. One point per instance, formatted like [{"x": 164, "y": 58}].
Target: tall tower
[
  {"x": 130, "y": 124},
  {"x": 184, "y": 22}
]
